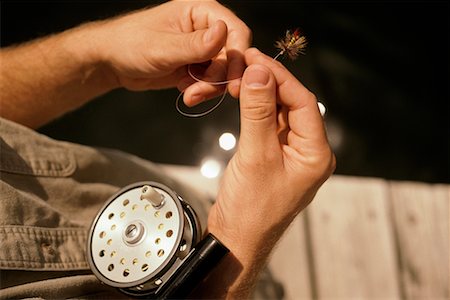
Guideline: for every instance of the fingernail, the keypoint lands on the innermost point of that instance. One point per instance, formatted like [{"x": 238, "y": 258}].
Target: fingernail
[{"x": 256, "y": 76}]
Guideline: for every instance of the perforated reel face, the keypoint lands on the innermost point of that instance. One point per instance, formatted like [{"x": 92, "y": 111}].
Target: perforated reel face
[{"x": 132, "y": 240}]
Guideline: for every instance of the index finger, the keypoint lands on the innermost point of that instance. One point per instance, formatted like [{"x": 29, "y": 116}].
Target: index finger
[
  {"x": 237, "y": 42},
  {"x": 239, "y": 39}
]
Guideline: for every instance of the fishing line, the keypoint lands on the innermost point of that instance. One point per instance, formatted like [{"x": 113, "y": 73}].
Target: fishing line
[
  {"x": 292, "y": 45},
  {"x": 201, "y": 114}
]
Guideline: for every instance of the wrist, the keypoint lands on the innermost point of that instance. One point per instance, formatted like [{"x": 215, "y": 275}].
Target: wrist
[
  {"x": 250, "y": 244},
  {"x": 238, "y": 272},
  {"x": 83, "y": 46}
]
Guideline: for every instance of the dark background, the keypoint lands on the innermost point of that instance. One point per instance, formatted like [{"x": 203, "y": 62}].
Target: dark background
[{"x": 381, "y": 68}]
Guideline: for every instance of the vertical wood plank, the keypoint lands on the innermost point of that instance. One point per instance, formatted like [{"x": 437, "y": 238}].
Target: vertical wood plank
[
  {"x": 421, "y": 214},
  {"x": 352, "y": 240},
  {"x": 289, "y": 262}
]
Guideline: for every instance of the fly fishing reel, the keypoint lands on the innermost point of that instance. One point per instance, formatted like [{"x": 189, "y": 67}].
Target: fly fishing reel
[{"x": 146, "y": 241}]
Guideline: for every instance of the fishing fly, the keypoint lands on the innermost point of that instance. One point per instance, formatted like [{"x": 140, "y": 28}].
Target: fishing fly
[{"x": 292, "y": 45}]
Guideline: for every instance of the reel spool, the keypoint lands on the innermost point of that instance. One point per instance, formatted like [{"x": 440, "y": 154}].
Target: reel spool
[{"x": 141, "y": 237}]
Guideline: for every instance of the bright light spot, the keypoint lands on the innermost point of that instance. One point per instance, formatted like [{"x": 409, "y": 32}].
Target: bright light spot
[
  {"x": 210, "y": 168},
  {"x": 322, "y": 108},
  {"x": 227, "y": 141}
]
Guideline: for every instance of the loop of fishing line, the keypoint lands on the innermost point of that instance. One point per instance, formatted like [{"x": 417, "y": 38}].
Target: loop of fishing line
[
  {"x": 291, "y": 45},
  {"x": 201, "y": 114}
]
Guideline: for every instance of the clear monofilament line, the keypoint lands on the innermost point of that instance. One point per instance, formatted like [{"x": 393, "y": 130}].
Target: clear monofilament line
[
  {"x": 201, "y": 114},
  {"x": 278, "y": 55},
  {"x": 198, "y": 115},
  {"x": 208, "y": 82},
  {"x": 292, "y": 45}
]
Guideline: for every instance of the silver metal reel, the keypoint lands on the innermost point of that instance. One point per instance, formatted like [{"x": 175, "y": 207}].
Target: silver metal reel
[{"x": 140, "y": 237}]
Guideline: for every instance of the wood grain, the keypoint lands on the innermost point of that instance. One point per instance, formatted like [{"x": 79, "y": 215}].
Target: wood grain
[
  {"x": 352, "y": 240},
  {"x": 361, "y": 238},
  {"x": 421, "y": 214},
  {"x": 289, "y": 262}
]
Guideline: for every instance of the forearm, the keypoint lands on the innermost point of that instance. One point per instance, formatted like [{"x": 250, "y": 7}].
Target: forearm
[
  {"x": 142, "y": 50},
  {"x": 45, "y": 78}
]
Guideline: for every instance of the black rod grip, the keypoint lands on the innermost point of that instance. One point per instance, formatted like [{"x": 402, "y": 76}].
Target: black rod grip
[{"x": 206, "y": 255}]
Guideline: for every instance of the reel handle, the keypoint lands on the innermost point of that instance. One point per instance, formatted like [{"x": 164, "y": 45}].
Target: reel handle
[{"x": 200, "y": 262}]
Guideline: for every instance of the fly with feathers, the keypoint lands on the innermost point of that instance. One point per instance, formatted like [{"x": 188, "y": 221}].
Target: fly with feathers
[{"x": 292, "y": 45}]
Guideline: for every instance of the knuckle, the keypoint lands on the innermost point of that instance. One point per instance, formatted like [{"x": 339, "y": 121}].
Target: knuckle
[
  {"x": 311, "y": 96},
  {"x": 333, "y": 163},
  {"x": 329, "y": 164},
  {"x": 256, "y": 111},
  {"x": 322, "y": 165},
  {"x": 247, "y": 32}
]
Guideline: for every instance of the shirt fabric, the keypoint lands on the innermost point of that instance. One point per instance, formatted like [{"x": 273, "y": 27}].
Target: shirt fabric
[{"x": 50, "y": 193}]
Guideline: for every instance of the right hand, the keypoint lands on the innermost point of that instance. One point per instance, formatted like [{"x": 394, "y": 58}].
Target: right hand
[{"x": 283, "y": 157}]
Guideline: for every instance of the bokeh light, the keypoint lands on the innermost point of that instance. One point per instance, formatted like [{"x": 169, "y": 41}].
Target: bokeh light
[
  {"x": 211, "y": 168},
  {"x": 227, "y": 141}
]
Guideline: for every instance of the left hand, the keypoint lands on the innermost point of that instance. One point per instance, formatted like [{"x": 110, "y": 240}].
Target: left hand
[{"x": 150, "y": 49}]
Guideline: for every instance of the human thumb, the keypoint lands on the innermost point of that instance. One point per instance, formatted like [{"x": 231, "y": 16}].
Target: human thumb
[
  {"x": 258, "y": 110},
  {"x": 199, "y": 45}
]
